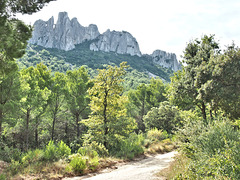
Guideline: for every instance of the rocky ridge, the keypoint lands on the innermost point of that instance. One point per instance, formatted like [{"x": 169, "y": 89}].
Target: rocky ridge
[
  {"x": 119, "y": 42},
  {"x": 66, "y": 33}
]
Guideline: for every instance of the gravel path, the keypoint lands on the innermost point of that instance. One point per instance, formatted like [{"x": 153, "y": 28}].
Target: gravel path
[{"x": 140, "y": 170}]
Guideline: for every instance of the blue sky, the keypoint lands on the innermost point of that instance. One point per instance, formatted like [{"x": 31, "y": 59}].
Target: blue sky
[{"x": 156, "y": 24}]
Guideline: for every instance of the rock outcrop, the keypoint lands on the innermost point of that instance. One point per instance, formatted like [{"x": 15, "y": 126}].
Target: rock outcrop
[
  {"x": 65, "y": 34},
  {"x": 119, "y": 42},
  {"x": 167, "y": 60}
]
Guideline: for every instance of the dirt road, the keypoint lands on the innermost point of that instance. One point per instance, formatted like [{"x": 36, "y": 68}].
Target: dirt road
[{"x": 140, "y": 170}]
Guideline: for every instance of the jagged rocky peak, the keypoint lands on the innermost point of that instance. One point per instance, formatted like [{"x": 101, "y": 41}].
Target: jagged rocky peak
[
  {"x": 167, "y": 60},
  {"x": 65, "y": 34},
  {"x": 115, "y": 41}
]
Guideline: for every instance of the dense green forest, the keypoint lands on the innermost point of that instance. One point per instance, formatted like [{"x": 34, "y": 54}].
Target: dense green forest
[
  {"x": 56, "y": 113},
  {"x": 61, "y": 61}
]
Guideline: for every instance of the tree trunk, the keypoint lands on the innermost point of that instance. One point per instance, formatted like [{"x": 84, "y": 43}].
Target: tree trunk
[
  {"x": 203, "y": 109},
  {"x": 66, "y": 134},
  {"x": 1, "y": 120},
  {"x": 53, "y": 125},
  {"x": 36, "y": 136},
  {"x": 142, "y": 114},
  {"x": 105, "y": 119},
  {"x": 211, "y": 114},
  {"x": 78, "y": 126},
  {"x": 27, "y": 128}
]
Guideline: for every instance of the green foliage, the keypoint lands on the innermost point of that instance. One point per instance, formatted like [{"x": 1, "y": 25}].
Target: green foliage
[
  {"x": 129, "y": 147},
  {"x": 99, "y": 148},
  {"x": 155, "y": 134},
  {"x": 60, "y": 60},
  {"x": 213, "y": 150},
  {"x": 77, "y": 95},
  {"x": 51, "y": 152},
  {"x": 188, "y": 86},
  {"x": 33, "y": 156},
  {"x": 3, "y": 176},
  {"x": 8, "y": 154},
  {"x": 78, "y": 163},
  {"x": 144, "y": 98},
  {"x": 14, "y": 167},
  {"x": 224, "y": 86},
  {"x": 86, "y": 158},
  {"x": 91, "y": 156},
  {"x": 55, "y": 152},
  {"x": 108, "y": 106},
  {"x": 87, "y": 151},
  {"x": 63, "y": 149},
  {"x": 165, "y": 117}
]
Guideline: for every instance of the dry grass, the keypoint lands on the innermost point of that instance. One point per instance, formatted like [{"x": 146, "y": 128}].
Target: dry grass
[
  {"x": 58, "y": 170},
  {"x": 175, "y": 168},
  {"x": 161, "y": 147}
]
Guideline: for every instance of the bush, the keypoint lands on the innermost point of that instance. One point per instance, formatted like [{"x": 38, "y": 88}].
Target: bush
[
  {"x": 156, "y": 135},
  {"x": 78, "y": 163},
  {"x": 14, "y": 167},
  {"x": 91, "y": 157},
  {"x": 33, "y": 156},
  {"x": 51, "y": 152},
  {"x": 99, "y": 148},
  {"x": 9, "y": 153},
  {"x": 130, "y": 147},
  {"x": 55, "y": 152},
  {"x": 3, "y": 177},
  {"x": 214, "y": 152},
  {"x": 63, "y": 149},
  {"x": 165, "y": 117}
]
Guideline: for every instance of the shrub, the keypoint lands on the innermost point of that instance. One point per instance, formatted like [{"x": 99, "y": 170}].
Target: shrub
[
  {"x": 14, "y": 167},
  {"x": 51, "y": 152},
  {"x": 165, "y": 117},
  {"x": 55, "y": 152},
  {"x": 214, "y": 152},
  {"x": 130, "y": 147},
  {"x": 3, "y": 177},
  {"x": 33, "y": 156},
  {"x": 63, "y": 149},
  {"x": 99, "y": 148},
  {"x": 87, "y": 151},
  {"x": 78, "y": 163},
  {"x": 156, "y": 135},
  {"x": 91, "y": 156},
  {"x": 9, "y": 153}
]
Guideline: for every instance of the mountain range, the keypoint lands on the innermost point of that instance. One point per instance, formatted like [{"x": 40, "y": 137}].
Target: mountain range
[{"x": 66, "y": 34}]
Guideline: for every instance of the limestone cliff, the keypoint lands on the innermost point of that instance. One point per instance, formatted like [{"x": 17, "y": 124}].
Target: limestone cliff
[
  {"x": 119, "y": 42},
  {"x": 167, "y": 60},
  {"x": 65, "y": 34}
]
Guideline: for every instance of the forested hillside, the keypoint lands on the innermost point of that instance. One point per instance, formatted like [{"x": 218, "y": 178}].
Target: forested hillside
[{"x": 61, "y": 61}]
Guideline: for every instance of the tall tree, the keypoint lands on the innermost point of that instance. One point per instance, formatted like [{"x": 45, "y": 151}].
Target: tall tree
[
  {"x": 14, "y": 34},
  {"x": 77, "y": 95},
  {"x": 35, "y": 93},
  {"x": 224, "y": 87},
  {"x": 57, "y": 98},
  {"x": 144, "y": 98},
  {"x": 188, "y": 85},
  {"x": 108, "y": 118},
  {"x": 9, "y": 91},
  {"x": 139, "y": 104}
]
